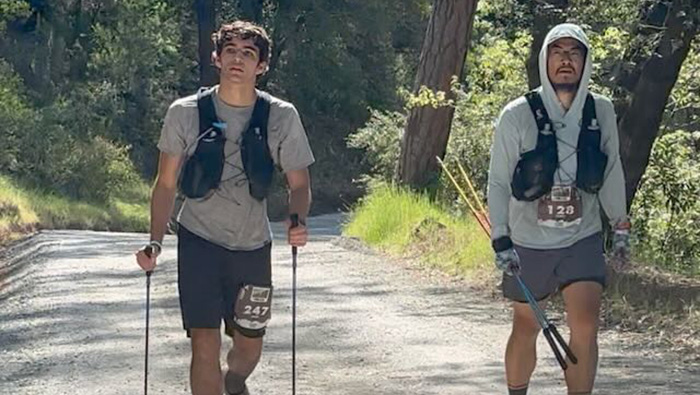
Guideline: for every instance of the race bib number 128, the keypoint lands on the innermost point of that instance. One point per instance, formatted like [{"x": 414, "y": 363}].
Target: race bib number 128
[{"x": 560, "y": 208}]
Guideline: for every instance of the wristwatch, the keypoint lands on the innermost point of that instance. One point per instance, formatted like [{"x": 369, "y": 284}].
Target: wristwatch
[{"x": 152, "y": 247}]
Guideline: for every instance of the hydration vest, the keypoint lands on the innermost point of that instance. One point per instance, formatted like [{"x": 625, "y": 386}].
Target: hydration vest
[
  {"x": 534, "y": 174},
  {"x": 202, "y": 171}
]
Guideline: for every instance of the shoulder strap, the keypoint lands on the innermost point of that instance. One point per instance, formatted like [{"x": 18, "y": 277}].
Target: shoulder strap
[
  {"x": 206, "y": 109},
  {"x": 538, "y": 110},
  {"x": 589, "y": 121},
  {"x": 261, "y": 113}
]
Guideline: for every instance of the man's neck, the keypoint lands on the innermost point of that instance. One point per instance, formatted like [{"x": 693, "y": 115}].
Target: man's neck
[
  {"x": 566, "y": 97},
  {"x": 237, "y": 95}
]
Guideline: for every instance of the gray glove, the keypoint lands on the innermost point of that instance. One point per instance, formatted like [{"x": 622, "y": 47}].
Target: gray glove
[
  {"x": 621, "y": 248},
  {"x": 621, "y": 243},
  {"x": 507, "y": 260}
]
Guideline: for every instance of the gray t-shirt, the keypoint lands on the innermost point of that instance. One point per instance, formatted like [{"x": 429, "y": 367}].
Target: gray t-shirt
[{"x": 231, "y": 217}]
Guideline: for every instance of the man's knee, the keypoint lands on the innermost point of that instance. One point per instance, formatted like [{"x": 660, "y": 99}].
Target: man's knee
[
  {"x": 524, "y": 322},
  {"x": 583, "y": 327},
  {"x": 206, "y": 343},
  {"x": 248, "y": 347}
]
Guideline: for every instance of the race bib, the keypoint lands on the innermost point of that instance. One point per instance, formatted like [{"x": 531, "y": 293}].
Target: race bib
[
  {"x": 252, "y": 309},
  {"x": 560, "y": 208}
]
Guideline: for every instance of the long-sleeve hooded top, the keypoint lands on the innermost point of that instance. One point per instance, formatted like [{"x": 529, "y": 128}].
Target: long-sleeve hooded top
[{"x": 516, "y": 133}]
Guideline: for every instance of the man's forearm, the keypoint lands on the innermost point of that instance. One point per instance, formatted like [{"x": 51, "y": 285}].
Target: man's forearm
[
  {"x": 161, "y": 207},
  {"x": 300, "y": 201}
]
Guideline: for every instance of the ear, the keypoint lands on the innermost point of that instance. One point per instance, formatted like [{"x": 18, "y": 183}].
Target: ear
[
  {"x": 215, "y": 60},
  {"x": 262, "y": 68}
]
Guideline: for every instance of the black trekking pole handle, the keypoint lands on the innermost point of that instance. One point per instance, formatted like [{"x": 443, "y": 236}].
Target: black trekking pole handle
[
  {"x": 294, "y": 218},
  {"x": 295, "y": 222}
]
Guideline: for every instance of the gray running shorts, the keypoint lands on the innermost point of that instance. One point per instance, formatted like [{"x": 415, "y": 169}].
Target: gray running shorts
[
  {"x": 546, "y": 271},
  {"x": 210, "y": 276}
]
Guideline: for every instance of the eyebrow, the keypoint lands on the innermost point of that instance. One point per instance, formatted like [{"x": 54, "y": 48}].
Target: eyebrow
[{"x": 232, "y": 44}]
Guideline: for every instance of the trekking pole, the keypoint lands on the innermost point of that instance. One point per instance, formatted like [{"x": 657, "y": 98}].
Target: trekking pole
[
  {"x": 481, "y": 217},
  {"x": 295, "y": 222},
  {"x": 548, "y": 328},
  {"x": 148, "y": 311},
  {"x": 482, "y": 209},
  {"x": 551, "y": 333}
]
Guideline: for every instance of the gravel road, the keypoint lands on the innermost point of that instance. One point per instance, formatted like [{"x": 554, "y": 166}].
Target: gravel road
[{"x": 72, "y": 315}]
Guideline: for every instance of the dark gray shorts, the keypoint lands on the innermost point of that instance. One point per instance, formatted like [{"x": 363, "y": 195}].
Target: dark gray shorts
[
  {"x": 546, "y": 271},
  {"x": 210, "y": 276}
]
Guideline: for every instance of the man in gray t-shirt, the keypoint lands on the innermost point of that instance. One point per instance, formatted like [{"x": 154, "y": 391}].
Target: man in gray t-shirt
[{"x": 224, "y": 268}]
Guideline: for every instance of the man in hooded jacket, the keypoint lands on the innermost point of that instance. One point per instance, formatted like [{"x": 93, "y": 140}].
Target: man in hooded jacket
[{"x": 555, "y": 242}]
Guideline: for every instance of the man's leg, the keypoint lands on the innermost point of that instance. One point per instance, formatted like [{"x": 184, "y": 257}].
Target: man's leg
[
  {"x": 242, "y": 359},
  {"x": 521, "y": 353},
  {"x": 254, "y": 268},
  {"x": 582, "y": 300},
  {"x": 205, "y": 370}
]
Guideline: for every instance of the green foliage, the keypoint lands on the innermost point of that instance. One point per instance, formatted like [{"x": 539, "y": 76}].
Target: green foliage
[
  {"x": 380, "y": 139},
  {"x": 404, "y": 222},
  {"x": 683, "y": 109},
  {"x": 15, "y": 115},
  {"x": 23, "y": 208},
  {"x": 666, "y": 210},
  {"x": 135, "y": 69},
  {"x": 37, "y": 147},
  {"x": 83, "y": 168},
  {"x": 10, "y": 10}
]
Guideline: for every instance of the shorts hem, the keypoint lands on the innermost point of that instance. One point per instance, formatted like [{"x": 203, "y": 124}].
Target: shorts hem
[{"x": 597, "y": 279}]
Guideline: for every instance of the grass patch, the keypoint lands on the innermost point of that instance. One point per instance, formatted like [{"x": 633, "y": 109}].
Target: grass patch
[
  {"x": 24, "y": 209},
  {"x": 405, "y": 223}
]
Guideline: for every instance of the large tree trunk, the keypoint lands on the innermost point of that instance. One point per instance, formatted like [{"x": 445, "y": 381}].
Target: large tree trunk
[
  {"x": 650, "y": 84},
  {"x": 442, "y": 57},
  {"x": 206, "y": 20},
  {"x": 545, "y": 15}
]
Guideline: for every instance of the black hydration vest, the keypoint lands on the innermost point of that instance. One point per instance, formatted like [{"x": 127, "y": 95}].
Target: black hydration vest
[
  {"x": 202, "y": 172},
  {"x": 534, "y": 174}
]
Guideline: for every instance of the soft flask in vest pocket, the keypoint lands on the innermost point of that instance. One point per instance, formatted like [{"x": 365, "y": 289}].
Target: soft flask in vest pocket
[
  {"x": 257, "y": 162},
  {"x": 201, "y": 174},
  {"x": 590, "y": 170},
  {"x": 255, "y": 152},
  {"x": 534, "y": 174}
]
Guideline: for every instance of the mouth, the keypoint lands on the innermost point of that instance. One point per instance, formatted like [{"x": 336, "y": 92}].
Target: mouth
[
  {"x": 235, "y": 69},
  {"x": 565, "y": 71}
]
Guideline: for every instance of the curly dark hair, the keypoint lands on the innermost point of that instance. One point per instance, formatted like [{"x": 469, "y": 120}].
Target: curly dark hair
[{"x": 243, "y": 30}]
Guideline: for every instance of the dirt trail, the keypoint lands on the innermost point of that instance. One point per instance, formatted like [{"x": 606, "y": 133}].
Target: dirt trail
[{"x": 72, "y": 321}]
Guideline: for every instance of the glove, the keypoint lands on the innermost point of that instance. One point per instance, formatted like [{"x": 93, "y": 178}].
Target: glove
[
  {"x": 507, "y": 260},
  {"x": 621, "y": 244}
]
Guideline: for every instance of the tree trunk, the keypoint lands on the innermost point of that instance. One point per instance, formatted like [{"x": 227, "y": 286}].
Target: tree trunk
[
  {"x": 206, "y": 19},
  {"x": 651, "y": 86},
  {"x": 442, "y": 57},
  {"x": 546, "y": 14}
]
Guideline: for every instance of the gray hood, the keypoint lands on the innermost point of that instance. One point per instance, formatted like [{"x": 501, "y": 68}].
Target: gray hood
[{"x": 554, "y": 108}]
